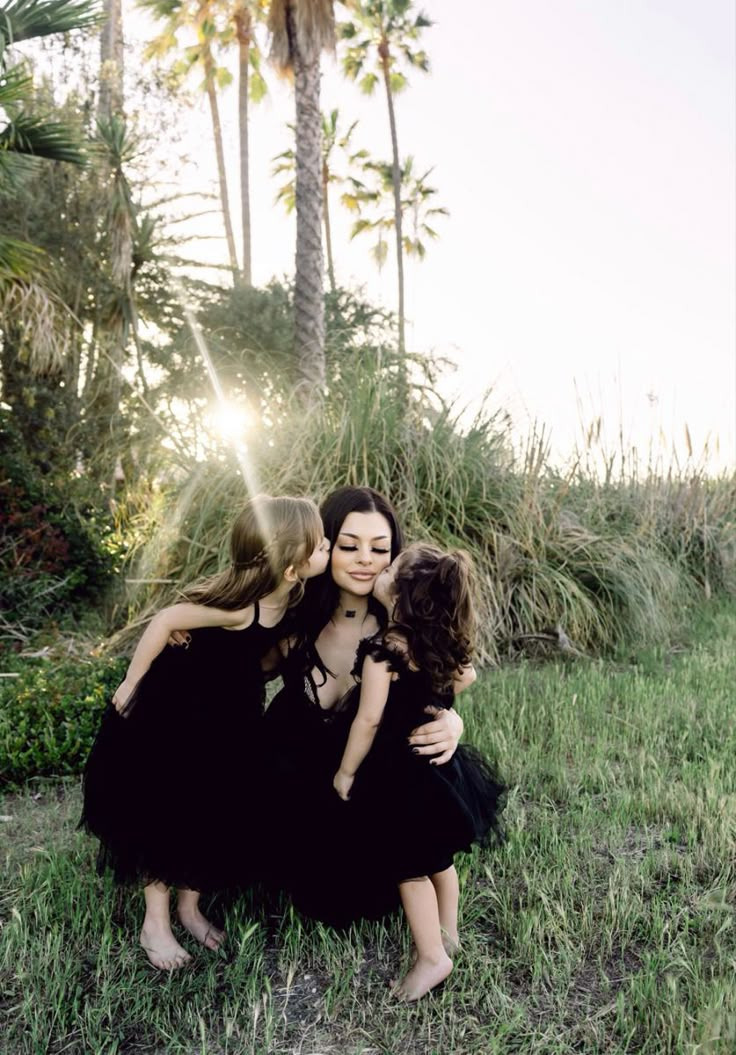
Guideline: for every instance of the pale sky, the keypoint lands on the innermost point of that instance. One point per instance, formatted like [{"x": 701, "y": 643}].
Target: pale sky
[{"x": 587, "y": 154}]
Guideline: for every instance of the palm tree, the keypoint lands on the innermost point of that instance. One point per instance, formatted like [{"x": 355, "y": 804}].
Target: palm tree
[
  {"x": 300, "y": 30},
  {"x": 416, "y": 205},
  {"x": 385, "y": 31},
  {"x": 32, "y": 307},
  {"x": 205, "y": 17},
  {"x": 334, "y": 145},
  {"x": 251, "y": 88},
  {"x": 110, "y": 99}
]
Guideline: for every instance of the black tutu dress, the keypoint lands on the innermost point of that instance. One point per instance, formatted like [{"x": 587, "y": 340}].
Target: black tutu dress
[
  {"x": 171, "y": 788},
  {"x": 342, "y": 861}
]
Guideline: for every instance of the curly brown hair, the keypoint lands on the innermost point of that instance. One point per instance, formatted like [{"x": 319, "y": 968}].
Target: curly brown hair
[{"x": 435, "y": 611}]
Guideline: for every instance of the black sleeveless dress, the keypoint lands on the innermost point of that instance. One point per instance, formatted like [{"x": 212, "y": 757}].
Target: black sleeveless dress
[
  {"x": 171, "y": 789},
  {"x": 414, "y": 815},
  {"x": 342, "y": 861}
]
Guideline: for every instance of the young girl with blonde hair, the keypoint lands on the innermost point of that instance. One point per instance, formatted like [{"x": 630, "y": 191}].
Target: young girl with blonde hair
[{"x": 170, "y": 784}]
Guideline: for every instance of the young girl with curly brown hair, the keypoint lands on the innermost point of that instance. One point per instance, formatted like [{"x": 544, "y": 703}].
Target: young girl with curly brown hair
[{"x": 406, "y": 816}]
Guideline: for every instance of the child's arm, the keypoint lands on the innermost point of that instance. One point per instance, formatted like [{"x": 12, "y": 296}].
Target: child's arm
[
  {"x": 464, "y": 677},
  {"x": 185, "y": 616},
  {"x": 375, "y": 683}
]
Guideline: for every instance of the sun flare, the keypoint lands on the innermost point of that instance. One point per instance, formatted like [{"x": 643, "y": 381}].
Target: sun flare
[{"x": 229, "y": 421}]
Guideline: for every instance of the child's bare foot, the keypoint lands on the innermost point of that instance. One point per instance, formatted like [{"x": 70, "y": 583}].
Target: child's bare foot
[
  {"x": 200, "y": 927},
  {"x": 162, "y": 948},
  {"x": 424, "y": 975}
]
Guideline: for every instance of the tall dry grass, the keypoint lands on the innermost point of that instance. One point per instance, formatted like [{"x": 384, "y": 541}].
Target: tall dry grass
[{"x": 578, "y": 561}]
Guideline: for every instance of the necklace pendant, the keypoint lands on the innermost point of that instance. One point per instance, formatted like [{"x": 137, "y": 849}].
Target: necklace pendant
[{"x": 350, "y": 613}]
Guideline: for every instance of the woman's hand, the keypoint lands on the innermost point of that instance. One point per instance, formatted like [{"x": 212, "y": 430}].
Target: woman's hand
[
  {"x": 439, "y": 737},
  {"x": 342, "y": 784},
  {"x": 122, "y": 695},
  {"x": 179, "y": 637}
]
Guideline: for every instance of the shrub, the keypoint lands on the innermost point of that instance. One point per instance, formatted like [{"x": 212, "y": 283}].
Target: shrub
[
  {"x": 54, "y": 551},
  {"x": 49, "y": 716},
  {"x": 590, "y": 558}
]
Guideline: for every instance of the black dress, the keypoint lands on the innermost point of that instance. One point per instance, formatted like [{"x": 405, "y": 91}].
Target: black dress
[
  {"x": 342, "y": 861},
  {"x": 416, "y": 816},
  {"x": 171, "y": 788}
]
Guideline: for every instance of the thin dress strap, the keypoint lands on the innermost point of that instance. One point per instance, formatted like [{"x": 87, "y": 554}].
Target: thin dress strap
[{"x": 257, "y": 615}]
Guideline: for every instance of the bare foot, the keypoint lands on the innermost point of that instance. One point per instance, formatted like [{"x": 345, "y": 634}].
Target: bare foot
[
  {"x": 200, "y": 928},
  {"x": 162, "y": 949},
  {"x": 424, "y": 975}
]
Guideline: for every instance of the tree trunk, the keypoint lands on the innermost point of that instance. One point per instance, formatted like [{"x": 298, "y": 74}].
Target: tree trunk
[
  {"x": 309, "y": 309},
  {"x": 110, "y": 99},
  {"x": 396, "y": 173},
  {"x": 104, "y": 431},
  {"x": 243, "y": 26},
  {"x": 328, "y": 230},
  {"x": 209, "y": 79}
]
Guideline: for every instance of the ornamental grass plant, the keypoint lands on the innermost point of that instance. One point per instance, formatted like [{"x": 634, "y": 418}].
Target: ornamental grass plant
[{"x": 567, "y": 560}]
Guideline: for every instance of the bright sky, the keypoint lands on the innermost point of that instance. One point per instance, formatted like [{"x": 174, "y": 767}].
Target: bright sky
[{"x": 587, "y": 154}]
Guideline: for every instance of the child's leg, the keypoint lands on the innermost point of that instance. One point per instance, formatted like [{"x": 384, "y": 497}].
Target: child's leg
[
  {"x": 447, "y": 889},
  {"x": 188, "y": 911},
  {"x": 432, "y": 964},
  {"x": 162, "y": 948}
]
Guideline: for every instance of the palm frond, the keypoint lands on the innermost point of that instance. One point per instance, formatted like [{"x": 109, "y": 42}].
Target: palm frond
[
  {"x": 27, "y": 19},
  {"x": 39, "y": 138},
  {"x": 16, "y": 84},
  {"x": 18, "y": 260}
]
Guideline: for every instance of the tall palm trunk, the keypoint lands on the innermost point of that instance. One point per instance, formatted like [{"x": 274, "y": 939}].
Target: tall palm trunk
[
  {"x": 396, "y": 177},
  {"x": 309, "y": 309},
  {"x": 243, "y": 29},
  {"x": 110, "y": 99},
  {"x": 113, "y": 326},
  {"x": 328, "y": 229},
  {"x": 209, "y": 81}
]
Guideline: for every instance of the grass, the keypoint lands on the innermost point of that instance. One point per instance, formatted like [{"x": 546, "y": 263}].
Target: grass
[
  {"x": 606, "y": 560},
  {"x": 606, "y": 925}
]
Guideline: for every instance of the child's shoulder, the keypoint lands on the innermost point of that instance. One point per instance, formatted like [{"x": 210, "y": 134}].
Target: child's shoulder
[{"x": 387, "y": 646}]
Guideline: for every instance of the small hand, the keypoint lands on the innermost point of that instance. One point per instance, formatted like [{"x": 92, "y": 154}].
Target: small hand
[
  {"x": 438, "y": 738},
  {"x": 179, "y": 637},
  {"x": 342, "y": 784},
  {"x": 121, "y": 696}
]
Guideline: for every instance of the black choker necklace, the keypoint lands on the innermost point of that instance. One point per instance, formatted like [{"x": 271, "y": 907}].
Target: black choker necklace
[{"x": 351, "y": 613}]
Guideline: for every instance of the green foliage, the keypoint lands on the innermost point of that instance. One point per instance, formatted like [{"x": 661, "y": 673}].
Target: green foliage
[
  {"x": 55, "y": 551},
  {"x": 605, "y": 926},
  {"x": 49, "y": 716},
  {"x": 558, "y": 559}
]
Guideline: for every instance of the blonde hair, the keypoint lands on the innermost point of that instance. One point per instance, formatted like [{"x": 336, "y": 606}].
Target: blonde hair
[{"x": 270, "y": 535}]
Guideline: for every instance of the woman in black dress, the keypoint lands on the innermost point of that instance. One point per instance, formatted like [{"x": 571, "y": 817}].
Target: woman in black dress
[{"x": 306, "y": 724}]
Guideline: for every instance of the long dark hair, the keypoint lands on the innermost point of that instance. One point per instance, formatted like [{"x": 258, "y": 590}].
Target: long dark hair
[
  {"x": 435, "y": 611},
  {"x": 321, "y": 594}
]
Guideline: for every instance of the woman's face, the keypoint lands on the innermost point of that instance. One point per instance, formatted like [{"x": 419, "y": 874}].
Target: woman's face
[{"x": 361, "y": 550}]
